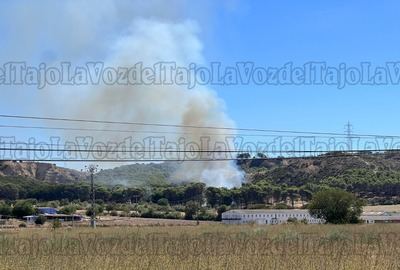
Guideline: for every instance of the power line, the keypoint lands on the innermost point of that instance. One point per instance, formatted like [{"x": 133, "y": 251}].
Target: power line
[
  {"x": 192, "y": 151},
  {"x": 152, "y": 131},
  {"x": 325, "y": 155},
  {"x": 183, "y": 126},
  {"x": 184, "y": 160}
]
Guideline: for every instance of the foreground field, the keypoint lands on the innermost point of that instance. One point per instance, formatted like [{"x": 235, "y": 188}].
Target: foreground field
[{"x": 207, "y": 246}]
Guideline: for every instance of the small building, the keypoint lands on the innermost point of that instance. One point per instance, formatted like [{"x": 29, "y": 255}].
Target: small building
[
  {"x": 62, "y": 217},
  {"x": 380, "y": 217},
  {"x": 47, "y": 210},
  {"x": 268, "y": 216},
  {"x": 30, "y": 219},
  {"x": 51, "y": 217}
]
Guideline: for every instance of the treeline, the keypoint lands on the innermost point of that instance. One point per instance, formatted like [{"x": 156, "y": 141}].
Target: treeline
[
  {"x": 367, "y": 183},
  {"x": 261, "y": 192},
  {"x": 379, "y": 188},
  {"x": 20, "y": 188}
]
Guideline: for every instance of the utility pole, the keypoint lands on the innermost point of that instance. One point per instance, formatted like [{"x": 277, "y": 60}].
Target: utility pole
[
  {"x": 92, "y": 169},
  {"x": 349, "y": 130}
]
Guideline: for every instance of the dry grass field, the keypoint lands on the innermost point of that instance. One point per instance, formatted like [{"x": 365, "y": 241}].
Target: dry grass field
[{"x": 207, "y": 246}]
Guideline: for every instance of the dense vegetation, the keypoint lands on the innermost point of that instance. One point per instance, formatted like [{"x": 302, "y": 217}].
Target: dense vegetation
[
  {"x": 275, "y": 183},
  {"x": 336, "y": 206},
  {"x": 136, "y": 175},
  {"x": 378, "y": 187}
]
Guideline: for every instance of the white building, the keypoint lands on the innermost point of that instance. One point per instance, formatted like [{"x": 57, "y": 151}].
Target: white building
[
  {"x": 380, "y": 217},
  {"x": 267, "y": 216}
]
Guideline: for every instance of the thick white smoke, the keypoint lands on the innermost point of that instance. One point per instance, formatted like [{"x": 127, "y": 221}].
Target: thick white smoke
[
  {"x": 122, "y": 33},
  {"x": 151, "y": 41}
]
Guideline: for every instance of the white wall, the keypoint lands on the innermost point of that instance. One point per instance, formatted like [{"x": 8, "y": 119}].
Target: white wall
[{"x": 266, "y": 216}]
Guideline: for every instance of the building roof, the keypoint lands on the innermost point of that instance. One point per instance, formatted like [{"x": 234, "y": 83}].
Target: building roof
[
  {"x": 381, "y": 214},
  {"x": 249, "y": 211}
]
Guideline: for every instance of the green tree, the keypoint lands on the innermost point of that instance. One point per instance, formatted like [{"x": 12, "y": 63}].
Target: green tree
[
  {"x": 68, "y": 209},
  {"x": 243, "y": 156},
  {"x": 220, "y": 210},
  {"x": 163, "y": 202},
  {"x": 110, "y": 207},
  {"x": 191, "y": 209},
  {"x": 9, "y": 191},
  {"x": 336, "y": 206},
  {"x": 98, "y": 210},
  {"x": 194, "y": 191},
  {"x": 5, "y": 209},
  {"x": 23, "y": 208},
  {"x": 292, "y": 193},
  {"x": 261, "y": 155}
]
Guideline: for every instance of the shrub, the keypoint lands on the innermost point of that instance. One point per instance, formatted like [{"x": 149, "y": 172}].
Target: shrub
[
  {"x": 148, "y": 214},
  {"x": 256, "y": 206},
  {"x": 22, "y": 225},
  {"x": 134, "y": 214},
  {"x": 282, "y": 206},
  {"x": 163, "y": 202},
  {"x": 54, "y": 204},
  {"x": 110, "y": 207},
  {"x": 206, "y": 215},
  {"x": 68, "y": 209},
  {"x": 179, "y": 208},
  {"x": 292, "y": 220},
  {"x": 123, "y": 214},
  {"x": 174, "y": 215},
  {"x": 64, "y": 202},
  {"x": 114, "y": 213},
  {"x": 220, "y": 210},
  {"x": 40, "y": 220},
  {"x": 56, "y": 224},
  {"x": 98, "y": 210}
]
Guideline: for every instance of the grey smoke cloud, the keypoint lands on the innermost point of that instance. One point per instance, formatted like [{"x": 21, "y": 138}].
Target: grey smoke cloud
[
  {"x": 150, "y": 41},
  {"x": 122, "y": 33}
]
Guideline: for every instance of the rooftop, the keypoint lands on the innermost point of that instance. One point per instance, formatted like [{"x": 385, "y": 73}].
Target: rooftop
[{"x": 267, "y": 210}]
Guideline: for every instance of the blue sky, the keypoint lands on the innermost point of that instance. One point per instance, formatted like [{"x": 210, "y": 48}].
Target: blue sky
[
  {"x": 272, "y": 33},
  {"x": 269, "y": 33}
]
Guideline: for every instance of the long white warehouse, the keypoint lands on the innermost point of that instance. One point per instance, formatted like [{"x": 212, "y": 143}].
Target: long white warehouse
[
  {"x": 267, "y": 216},
  {"x": 380, "y": 217}
]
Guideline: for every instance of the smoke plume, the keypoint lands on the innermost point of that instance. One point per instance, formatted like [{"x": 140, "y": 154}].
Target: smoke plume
[
  {"x": 148, "y": 42},
  {"x": 123, "y": 33}
]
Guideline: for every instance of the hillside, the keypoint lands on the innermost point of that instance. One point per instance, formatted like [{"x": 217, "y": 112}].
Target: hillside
[
  {"x": 369, "y": 175},
  {"x": 289, "y": 171},
  {"x": 40, "y": 171},
  {"x": 376, "y": 173},
  {"x": 137, "y": 174},
  {"x": 297, "y": 171},
  {"x": 375, "y": 177}
]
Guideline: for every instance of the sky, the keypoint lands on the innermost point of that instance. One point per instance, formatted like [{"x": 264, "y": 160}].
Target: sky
[
  {"x": 267, "y": 33},
  {"x": 273, "y": 34}
]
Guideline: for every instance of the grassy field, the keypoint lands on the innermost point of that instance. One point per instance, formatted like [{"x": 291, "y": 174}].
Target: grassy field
[{"x": 208, "y": 246}]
